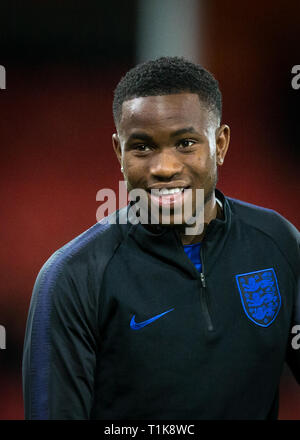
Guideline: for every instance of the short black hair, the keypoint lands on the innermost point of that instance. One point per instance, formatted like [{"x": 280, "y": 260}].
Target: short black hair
[{"x": 165, "y": 76}]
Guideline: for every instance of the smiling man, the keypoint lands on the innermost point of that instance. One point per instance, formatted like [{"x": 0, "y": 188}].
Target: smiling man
[
  {"x": 147, "y": 321},
  {"x": 169, "y": 145}
]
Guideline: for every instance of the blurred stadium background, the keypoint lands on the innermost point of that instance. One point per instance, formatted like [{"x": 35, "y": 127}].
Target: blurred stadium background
[{"x": 63, "y": 60}]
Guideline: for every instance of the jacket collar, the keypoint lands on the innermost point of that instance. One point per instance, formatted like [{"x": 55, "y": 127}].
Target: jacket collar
[
  {"x": 165, "y": 242},
  {"x": 219, "y": 225}
]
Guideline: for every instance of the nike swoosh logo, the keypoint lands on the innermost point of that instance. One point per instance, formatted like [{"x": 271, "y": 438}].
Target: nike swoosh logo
[{"x": 138, "y": 325}]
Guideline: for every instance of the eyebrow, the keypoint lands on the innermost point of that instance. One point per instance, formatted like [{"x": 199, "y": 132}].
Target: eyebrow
[
  {"x": 184, "y": 131},
  {"x": 140, "y": 136},
  {"x": 146, "y": 137}
]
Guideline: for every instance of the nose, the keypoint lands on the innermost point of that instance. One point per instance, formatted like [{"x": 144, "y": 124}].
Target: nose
[{"x": 165, "y": 165}]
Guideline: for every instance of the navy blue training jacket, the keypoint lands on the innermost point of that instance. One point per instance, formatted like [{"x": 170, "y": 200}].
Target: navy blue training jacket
[{"x": 121, "y": 325}]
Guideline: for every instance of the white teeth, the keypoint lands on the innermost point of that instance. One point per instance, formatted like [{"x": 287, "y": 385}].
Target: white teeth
[{"x": 166, "y": 191}]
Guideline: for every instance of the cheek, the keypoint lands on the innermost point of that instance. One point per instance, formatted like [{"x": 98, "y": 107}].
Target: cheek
[
  {"x": 203, "y": 163},
  {"x": 204, "y": 169},
  {"x": 211, "y": 167},
  {"x": 133, "y": 172}
]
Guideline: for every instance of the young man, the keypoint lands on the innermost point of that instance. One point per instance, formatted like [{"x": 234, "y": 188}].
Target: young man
[{"x": 147, "y": 321}]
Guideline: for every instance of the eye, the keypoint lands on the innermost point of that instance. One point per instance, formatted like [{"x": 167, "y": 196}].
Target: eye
[
  {"x": 141, "y": 147},
  {"x": 186, "y": 143}
]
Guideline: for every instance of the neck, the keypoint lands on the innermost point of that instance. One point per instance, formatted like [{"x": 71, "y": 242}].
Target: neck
[{"x": 211, "y": 211}]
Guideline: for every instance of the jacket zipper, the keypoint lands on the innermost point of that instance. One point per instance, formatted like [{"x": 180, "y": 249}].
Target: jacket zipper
[{"x": 203, "y": 296}]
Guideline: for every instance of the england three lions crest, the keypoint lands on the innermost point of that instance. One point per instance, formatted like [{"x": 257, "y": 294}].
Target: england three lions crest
[{"x": 260, "y": 295}]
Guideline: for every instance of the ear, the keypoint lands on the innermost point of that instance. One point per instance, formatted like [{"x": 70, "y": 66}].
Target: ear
[
  {"x": 222, "y": 143},
  {"x": 117, "y": 147}
]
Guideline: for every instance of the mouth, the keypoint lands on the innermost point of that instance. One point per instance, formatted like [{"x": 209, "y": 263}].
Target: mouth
[{"x": 170, "y": 197}]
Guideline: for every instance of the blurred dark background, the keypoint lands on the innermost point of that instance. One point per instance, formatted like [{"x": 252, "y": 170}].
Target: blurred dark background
[{"x": 63, "y": 61}]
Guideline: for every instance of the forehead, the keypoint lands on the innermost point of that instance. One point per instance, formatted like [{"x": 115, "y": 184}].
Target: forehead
[{"x": 163, "y": 111}]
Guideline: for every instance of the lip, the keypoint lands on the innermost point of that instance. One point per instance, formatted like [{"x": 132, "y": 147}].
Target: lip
[
  {"x": 171, "y": 201},
  {"x": 168, "y": 185}
]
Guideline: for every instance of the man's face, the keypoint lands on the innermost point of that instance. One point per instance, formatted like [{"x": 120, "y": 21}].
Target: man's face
[{"x": 170, "y": 143}]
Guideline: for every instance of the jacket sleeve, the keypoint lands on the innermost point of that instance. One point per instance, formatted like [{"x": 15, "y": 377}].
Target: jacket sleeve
[{"x": 60, "y": 347}]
